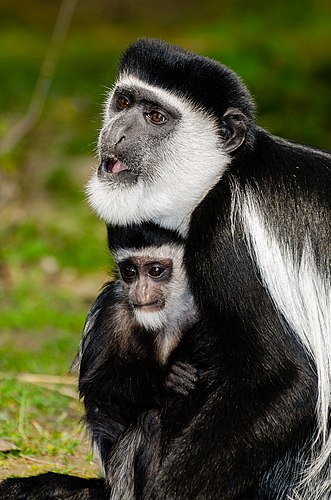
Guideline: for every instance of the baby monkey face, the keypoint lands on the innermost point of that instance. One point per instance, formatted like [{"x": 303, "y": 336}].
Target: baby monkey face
[
  {"x": 154, "y": 287},
  {"x": 146, "y": 281}
]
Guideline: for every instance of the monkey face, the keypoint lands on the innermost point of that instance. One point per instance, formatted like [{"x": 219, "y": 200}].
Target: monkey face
[
  {"x": 171, "y": 126},
  {"x": 155, "y": 286},
  {"x": 159, "y": 155},
  {"x": 146, "y": 282},
  {"x": 137, "y": 123}
]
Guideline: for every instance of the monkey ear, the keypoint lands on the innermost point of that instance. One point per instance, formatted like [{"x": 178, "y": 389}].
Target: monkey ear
[{"x": 233, "y": 129}]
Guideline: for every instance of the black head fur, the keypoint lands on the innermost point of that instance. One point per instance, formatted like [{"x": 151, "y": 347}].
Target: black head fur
[
  {"x": 205, "y": 82},
  {"x": 141, "y": 236}
]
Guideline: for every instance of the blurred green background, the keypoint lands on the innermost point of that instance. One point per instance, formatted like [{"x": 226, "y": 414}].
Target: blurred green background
[{"x": 53, "y": 256}]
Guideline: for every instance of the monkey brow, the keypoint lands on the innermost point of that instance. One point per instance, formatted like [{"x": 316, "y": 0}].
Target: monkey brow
[
  {"x": 128, "y": 92},
  {"x": 147, "y": 260},
  {"x": 144, "y": 96}
]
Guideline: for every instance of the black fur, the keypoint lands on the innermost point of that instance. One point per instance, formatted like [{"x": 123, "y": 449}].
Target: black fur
[
  {"x": 52, "y": 486},
  {"x": 188, "y": 75},
  {"x": 141, "y": 236}
]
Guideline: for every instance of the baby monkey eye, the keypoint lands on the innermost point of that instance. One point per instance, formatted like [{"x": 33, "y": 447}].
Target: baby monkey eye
[
  {"x": 128, "y": 272},
  {"x": 156, "y": 271},
  {"x": 156, "y": 117},
  {"x": 122, "y": 102}
]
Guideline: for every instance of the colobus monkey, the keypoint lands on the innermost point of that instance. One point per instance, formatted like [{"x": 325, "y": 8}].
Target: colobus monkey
[
  {"x": 179, "y": 147},
  {"x": 129, "y": 354},
  {"x": 130, "y": 364}
]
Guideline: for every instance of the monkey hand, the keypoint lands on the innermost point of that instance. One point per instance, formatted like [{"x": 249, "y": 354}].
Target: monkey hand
[{"x": 181, "y": 379}]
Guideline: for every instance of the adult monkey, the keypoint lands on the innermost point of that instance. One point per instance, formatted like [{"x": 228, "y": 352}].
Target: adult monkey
[{"x": 179, "y": 146}]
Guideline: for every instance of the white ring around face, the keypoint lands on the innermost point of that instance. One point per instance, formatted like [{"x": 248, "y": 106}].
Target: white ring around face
[{"x": 192, "y": 163}]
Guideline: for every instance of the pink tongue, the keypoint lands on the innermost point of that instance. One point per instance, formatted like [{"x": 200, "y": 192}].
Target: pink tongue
[{"x": 118, "y": 167}]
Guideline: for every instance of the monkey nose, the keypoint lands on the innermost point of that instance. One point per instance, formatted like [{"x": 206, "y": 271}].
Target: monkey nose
[
  {"x": 119, "y": 143},
  {"x": 120, "y": 140}
]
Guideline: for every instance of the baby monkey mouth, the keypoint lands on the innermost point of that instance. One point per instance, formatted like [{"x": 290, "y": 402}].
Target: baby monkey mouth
[
  {"x": 149, "y": 307},
  {"x": 113, "y": 166}
]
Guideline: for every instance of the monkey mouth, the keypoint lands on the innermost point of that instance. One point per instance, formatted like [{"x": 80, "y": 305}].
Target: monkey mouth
[
  {"x": 113, "y": 170},
  {"x": 113, "y": 166},
  {"x": 150, "y": 307}
]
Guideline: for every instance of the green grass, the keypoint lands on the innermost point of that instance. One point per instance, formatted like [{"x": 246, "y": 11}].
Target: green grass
[
  {"x": 25, "y": 404},
  {"x": 44, "y": 426},
  {"x": 52, "y": 273},
  {"x": 53, "y": 261}
]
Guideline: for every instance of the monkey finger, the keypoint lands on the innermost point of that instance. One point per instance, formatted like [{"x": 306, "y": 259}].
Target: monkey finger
[
  {"x": 173, "y": 386},
  {"x": 185, "y": 370},
  {"x": 180, "y": 385}
]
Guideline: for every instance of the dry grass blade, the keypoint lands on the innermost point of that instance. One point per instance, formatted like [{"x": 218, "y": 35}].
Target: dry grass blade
[
  {"x": 43, "y": 462},
  {"x": 36, "y": 378},
  {"x": 65, "y": 385},
  {"x": 7, "y": 446}
]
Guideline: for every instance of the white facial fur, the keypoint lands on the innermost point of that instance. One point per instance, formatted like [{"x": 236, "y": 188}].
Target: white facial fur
[
  {"x": 179, "y": 308},
  {"x": 179, "y": 312},
  {"x": 192, "y": 163}
]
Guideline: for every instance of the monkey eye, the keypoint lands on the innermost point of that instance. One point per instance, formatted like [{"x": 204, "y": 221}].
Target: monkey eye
[
  {"x": 156, "y": 271},
  {"x": 156, "y": 117},
  {"x": 122, "y": 102},
  {"x": 128, "y": 272}
]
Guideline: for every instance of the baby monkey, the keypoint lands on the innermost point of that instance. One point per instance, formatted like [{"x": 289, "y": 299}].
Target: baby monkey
[{"x": 130, "y": 357}]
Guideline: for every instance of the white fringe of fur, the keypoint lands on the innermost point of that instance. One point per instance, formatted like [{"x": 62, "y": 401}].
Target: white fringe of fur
[
  {"x": 302, "y": 296},
  {"x": 190, "y": 161}
]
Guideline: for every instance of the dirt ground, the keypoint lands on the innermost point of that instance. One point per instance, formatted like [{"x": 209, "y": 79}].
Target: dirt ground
[{"x": 76, "y": 464}]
